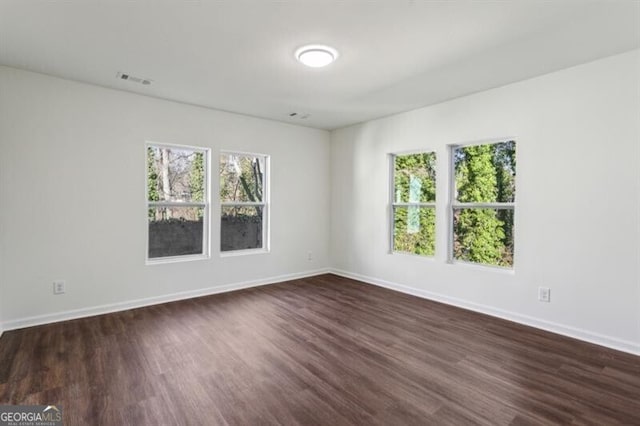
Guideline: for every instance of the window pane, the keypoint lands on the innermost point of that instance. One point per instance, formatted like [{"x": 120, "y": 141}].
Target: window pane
[
  {"x": 414, "y": 230},
  {"x": 175, "y": 174},
  {"x": 483, "y": 236},
  {"x": 175, "y": 231},
  {"x": 486, "y": 173},
  {"x": 241, "y": 178},
  {"x": 241, "y": 228},
  {"x": 415, "y": 178}
]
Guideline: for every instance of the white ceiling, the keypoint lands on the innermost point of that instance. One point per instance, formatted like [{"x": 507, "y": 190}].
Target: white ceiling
[{"x": 237, "y": 55}]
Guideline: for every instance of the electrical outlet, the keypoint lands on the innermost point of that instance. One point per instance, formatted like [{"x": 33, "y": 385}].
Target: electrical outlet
[
  {"x": 58, "y": 287},
  {"x": 544, "y": 294},
  {"x": 309, "y": 256}
]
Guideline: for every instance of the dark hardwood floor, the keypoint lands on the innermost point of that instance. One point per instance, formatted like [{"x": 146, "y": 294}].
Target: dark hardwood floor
[{"x": 318, "y": 351}]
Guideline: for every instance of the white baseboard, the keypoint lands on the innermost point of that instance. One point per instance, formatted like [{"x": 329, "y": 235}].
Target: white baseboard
[
  {"x": 139, "y": 303},
  {"x": 565, "y": 330},
  {"x": 598, "y": 339}
]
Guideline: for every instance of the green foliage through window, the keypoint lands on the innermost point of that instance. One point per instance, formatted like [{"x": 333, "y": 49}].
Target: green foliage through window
[
  {"x": 414, "y": 195},
  {"x": 484, "y": 175}
]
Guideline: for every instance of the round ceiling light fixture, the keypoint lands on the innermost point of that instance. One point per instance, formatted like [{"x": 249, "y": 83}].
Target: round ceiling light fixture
[{"x": 316, "y": 55}]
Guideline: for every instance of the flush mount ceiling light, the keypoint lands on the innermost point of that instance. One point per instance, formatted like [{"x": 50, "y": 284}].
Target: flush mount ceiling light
[
  {"x": 132, "y": 78},
  {"x": 316, "y": 56}
]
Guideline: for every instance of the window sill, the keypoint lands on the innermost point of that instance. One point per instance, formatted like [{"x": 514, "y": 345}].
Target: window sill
[
  {"x": 483, "y": 267},
  {"x": 245, "y": 252},
  {"x": 413, "y": 255},
  {"x": 177, "y": 259}
]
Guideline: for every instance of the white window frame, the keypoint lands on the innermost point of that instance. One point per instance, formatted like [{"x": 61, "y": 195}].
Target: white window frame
[
  {"x": 454, "y": 205},
  {"x": 393, "y": 204},
  {"x": 206, "y": 205},
  {"x": 265, "y": 204}
]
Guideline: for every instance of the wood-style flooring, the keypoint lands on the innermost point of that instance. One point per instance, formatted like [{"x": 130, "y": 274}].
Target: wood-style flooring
[{"x": 318, "y": 351}]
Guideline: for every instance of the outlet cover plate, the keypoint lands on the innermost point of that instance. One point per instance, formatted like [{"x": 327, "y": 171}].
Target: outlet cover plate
[
  {"x": 59, "y": 287},
  {"x": 544, "y": 294}
]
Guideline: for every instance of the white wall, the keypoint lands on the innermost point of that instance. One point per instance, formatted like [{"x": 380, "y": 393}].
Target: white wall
[
  {"x": 1, "y": 299},
  {"x": 72, "y": 170},
  {"x": 578, "y": 200}
]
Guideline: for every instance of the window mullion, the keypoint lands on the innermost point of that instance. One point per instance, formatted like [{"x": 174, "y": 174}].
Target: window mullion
[
  {"x": 499, "y": 206},
  {"x": 242, "y": 203},
  {"x": 414, "y": 205},
  {"x": 176, "y": 204}
]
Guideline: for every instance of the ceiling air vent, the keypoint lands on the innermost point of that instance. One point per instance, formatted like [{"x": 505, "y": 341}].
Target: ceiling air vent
[
  {"x": 299, "y": 115},
  {"x": 133, "y": 78}
]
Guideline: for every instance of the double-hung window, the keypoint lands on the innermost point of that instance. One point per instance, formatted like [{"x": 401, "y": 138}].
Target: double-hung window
[
  {"x": 177, "y": 202},
  {"x": 244, "y": 199},
  {"x": 413, "y": 203},
  {"x": 482, "y": 201}
]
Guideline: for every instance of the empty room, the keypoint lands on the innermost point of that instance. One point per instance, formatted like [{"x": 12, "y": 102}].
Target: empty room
[{"x": 319, "y": 212}]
